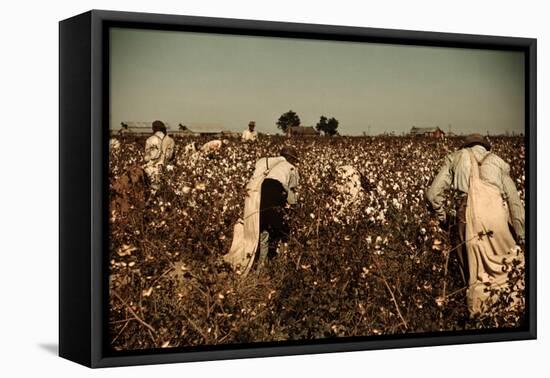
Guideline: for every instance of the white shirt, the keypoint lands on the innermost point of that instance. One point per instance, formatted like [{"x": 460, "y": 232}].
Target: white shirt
[
  {"x": 277, "y": 168},
  {"x": 455, "y": 173},
  {"x": 167, "y": 148},
  {"x": 211, "y": 146},
  {"x": 250, "y": 135},
  {"x": 159, "y": 149},
  {"x": 153, "y": 149}
]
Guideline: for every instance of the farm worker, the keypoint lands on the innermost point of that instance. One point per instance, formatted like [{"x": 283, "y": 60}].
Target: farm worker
[
  {"x": 489, "y": 203},
  {"x": 269, "y": 192},
  {"x": 168, "y": 147},
  {"x": 213, "y": 145},
  {"x": 250, "y": 134},
  {"x": 159, "y": 149}
]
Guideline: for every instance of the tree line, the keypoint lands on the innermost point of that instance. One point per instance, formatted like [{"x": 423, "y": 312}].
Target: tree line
[{"x": 329, "y": 126}]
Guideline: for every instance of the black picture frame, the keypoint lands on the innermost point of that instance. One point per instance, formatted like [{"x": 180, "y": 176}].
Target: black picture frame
[{"x": 83, "y": 163}]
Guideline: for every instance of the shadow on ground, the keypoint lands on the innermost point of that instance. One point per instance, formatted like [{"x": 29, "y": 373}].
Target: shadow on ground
[{"x": 50, "y": 348}]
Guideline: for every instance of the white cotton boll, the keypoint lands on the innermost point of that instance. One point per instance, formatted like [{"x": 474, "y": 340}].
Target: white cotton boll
[
  {"x": 396, "y": 204},
  {"x": 369, "y": 240},
  {"x": 114, "y": 145}
]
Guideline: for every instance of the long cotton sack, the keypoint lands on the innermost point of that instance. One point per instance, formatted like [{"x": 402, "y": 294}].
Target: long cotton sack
[
  {"x": 490, "y": 244},
  {"x": 246, "y": 232}
]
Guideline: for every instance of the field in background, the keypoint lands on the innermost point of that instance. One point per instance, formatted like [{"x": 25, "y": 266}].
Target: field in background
[{"x": 369, "y": 267}]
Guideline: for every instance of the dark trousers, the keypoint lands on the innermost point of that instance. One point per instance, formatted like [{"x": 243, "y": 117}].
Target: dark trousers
[
  {"x": 272, "y": 216},
  {"x": 462, "y": 251}
]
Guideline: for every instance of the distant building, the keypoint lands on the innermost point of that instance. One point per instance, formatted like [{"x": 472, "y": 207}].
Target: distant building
[
  {"x": 231, "y": 134},
  {"x": 428, "y": 132},
  {"x": 181, "y": 131},
  {"x": 137, "y": 129},
  {"x": 302, "y": 131},
  {"x": 201, "y": 129}
]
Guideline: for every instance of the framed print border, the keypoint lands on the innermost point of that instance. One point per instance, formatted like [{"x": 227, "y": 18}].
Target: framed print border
[{"x": 83, "y": 166}]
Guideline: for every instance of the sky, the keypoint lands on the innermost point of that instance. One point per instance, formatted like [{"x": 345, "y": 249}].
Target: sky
[{"x": 228, "y": 80}]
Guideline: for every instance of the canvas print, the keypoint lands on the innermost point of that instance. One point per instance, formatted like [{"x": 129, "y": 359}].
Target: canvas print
[{"x": 275, "y": 190}]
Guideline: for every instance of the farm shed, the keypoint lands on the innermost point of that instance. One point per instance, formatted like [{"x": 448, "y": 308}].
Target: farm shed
[
  {"x": 138, "y": 128},
  {"x": 429, "y": 132},
  {"x": 200, "y": 129},
  {"x": 182, "y": 131},
  {"x": 302, "y": 131}
]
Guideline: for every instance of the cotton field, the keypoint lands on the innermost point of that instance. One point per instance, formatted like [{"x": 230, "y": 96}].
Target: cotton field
[{"x": 365, "y": 256}]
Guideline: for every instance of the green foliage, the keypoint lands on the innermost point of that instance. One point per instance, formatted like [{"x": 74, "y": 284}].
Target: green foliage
[
  {"x": 287, "y": 120},
  {"x": 327, "y": 126}
]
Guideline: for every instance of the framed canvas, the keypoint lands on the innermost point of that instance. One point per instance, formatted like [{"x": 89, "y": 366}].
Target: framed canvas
[{"x": 234, "y": 188}]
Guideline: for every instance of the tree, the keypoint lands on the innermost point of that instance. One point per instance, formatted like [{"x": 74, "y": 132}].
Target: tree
[
  {"x": 288, "y": 120},
  {"x": 327, "y": 126},
  {"x": 322, "y": 124},
  {"x": 332, "y": 126}
]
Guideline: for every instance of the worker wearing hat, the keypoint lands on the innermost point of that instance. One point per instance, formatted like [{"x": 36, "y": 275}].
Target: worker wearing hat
[
  {"x": 277, "y": 194},
  {"x": 159, "y": 149},
  {"x": 270, "y": 192},
  {"x": 475, "y": 159},
  {"x": 250, "y": 134}
]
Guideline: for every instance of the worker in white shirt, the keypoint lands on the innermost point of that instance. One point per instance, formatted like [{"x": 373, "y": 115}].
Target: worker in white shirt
[
  {"x": 159, "y": 149},
  {"x": 213, "y": 145},
  {"x": 250, "y": 134},
  {"x": 488, "y": 210},
  {"x": 168, "y": 147},
  {"x": 270, "y": 191}
]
